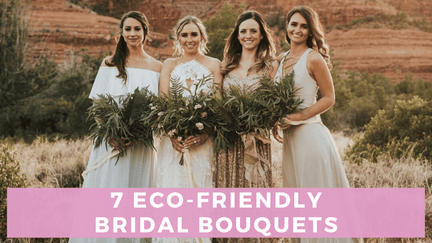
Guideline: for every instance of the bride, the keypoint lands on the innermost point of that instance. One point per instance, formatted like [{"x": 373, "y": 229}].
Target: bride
[{"x": 190, "y": 43}]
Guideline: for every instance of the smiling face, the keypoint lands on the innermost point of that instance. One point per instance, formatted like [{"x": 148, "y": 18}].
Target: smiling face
[
  {"x": 190, "y": 39},
  {"x": 133, "y": 32},
  {"x": 298, "y": 29},
  {"x": 249, "y": 34}
]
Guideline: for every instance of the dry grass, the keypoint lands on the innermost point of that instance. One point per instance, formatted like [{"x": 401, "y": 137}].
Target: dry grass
[
  {"x": 49, "y": 164},
  {"x": 53, "y": 164}
]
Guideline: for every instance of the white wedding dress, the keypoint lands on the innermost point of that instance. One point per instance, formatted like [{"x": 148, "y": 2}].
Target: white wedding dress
[
  {"x": 134, "y": 169},
  {"x": 169, "y": 173}
]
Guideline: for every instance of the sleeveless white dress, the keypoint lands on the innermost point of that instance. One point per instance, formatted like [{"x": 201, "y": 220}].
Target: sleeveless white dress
[
  {"x": 169, "y": 173},
  {"x": 310, "y": 158},
  {"x": 134, "y": 169}
]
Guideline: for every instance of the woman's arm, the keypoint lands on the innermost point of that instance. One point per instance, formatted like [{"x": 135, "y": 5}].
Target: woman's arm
[
  {"x": 164, "y": 80},
  {"x": 319, "y": 71}
]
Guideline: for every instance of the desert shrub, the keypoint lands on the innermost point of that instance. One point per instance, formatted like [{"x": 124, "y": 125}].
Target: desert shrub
[
  {"x": 60, "y": 108},
  {"x": 359, "y": 97},
  {"x": 405, "y": 130},
  {"x": 277, "y": 20},
  {"x": 410, "y": 87},
  {"x": 10, "y": 177}
]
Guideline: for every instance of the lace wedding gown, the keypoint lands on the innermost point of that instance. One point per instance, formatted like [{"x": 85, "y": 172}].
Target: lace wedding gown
[
  {"x": 169, "y": 173},
  {"x": 310, "y": 158},
  {"x": 135, "y": 168}
]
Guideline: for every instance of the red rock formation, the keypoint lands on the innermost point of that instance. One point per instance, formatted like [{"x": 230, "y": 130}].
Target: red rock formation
[
  {"x": 390, "y": 52},
  {"x": 58, "y": 27}
]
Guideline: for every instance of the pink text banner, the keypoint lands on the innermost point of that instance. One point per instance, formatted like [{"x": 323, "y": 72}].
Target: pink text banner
[{"x": 202, "y": 212}]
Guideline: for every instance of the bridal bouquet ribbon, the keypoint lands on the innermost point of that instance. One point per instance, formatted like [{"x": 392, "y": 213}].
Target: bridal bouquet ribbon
[{"x": 121, "y": 122}]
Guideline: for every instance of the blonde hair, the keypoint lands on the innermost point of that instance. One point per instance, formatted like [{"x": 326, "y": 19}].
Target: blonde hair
[{"x": 179, "y": 27}]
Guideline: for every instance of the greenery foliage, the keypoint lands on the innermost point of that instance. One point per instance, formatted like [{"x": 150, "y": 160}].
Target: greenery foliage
[
  {"x": 219, "y": 27},
  {"x": 60, "y": 108},
  {"x": 360, "y": 96},
  {"x": 405, "y": 131},
  {"x": 122, "y": 120},
  {"x": 17, "y": 80},
  {"x": 10, "y": 177}
]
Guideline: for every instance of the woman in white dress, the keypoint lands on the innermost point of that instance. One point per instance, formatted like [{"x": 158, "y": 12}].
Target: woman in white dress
[
  {"x": 190, "y": 43},
  {"x": 129, "y": 68},
  {"x": 310, "y": 157}
]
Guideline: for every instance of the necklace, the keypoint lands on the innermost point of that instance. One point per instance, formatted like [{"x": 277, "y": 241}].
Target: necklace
[{"x": 193, "y": 58}]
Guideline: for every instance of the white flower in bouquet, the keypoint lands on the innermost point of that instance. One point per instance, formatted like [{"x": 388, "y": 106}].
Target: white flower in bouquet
[
  {"x": 199, "y": 125},
  {"x": 172, "y": 132},
  {"x": 160, "y": 126},
  {"x": 204, "y": 114},
  {"x": 161, "y": 113},
  {"x": 187, "y": 102},
  {"x": 198, "y": 106},
  {"x": 181, "y": 109},
  {"x": 179, "y": 138}
]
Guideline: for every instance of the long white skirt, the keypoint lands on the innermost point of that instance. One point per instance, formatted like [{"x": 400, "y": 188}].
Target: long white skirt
[
  {"x": 134, "y": 170},
  {"x": 196, "y": 171},
  {"x": 310, "y": 159}
]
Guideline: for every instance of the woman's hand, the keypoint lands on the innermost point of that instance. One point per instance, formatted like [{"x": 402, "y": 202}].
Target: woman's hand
[
  {"x": 177, "y": 144},
  {"x": 299, "y": 116},
  {"x": 275, "y": 132},
  {"x": 125, "y": 142},
  {"x": 192, "y": 141}
]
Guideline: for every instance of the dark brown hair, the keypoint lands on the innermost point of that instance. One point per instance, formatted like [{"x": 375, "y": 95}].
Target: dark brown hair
[
  {"x": 233, "y": 49},
  {"x": 316, "y": 39},
  {"x": 122, "y": 51}
]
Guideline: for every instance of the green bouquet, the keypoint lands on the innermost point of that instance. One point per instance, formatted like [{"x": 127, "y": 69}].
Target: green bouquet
[{"x": 123, "y": 120}]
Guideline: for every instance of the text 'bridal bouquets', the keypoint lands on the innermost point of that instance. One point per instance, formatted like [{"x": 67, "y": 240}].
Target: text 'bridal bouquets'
[{"x": 122, "y": 122}]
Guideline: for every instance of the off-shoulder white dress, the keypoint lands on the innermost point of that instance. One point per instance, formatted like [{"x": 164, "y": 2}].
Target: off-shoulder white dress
[{"x": 135, "y": 169}]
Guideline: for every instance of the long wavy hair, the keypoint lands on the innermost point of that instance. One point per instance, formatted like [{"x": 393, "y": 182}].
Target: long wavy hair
[
  {"x": 122, "y": 51},
  {"x": 178, "y": 50},
  {"x": 316, "y": 39},
  {"x": 233, "y": 49}
]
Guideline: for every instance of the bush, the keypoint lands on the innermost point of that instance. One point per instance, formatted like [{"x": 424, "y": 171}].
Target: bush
[
  {"x": 10, "y": 177},
  {"x": 61, "y": 108},
  {"x": 219, "y": 27},
  {"x": 405, "y": 130},
  {"x": 359, "y": 97}
]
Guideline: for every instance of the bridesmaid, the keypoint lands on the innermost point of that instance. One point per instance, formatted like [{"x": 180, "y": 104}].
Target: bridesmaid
[
  {"x": 248, "y": 56},
  {"x": 129, "y": 68},
  {"x": 310, "y": 157}
]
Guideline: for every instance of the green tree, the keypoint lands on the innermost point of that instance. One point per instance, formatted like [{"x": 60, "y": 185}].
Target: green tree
[
  {"x": 219, "y": 27},
  {"x": 17, "y": 81}
]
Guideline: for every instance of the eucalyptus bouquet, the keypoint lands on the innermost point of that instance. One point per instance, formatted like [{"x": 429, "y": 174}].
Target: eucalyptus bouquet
[
  {"x": 122, "y": 120},
  {"x": 182, "y": 116},
  {"x": 272, "y": 101},
  {"x": 258, "y": 111}
]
